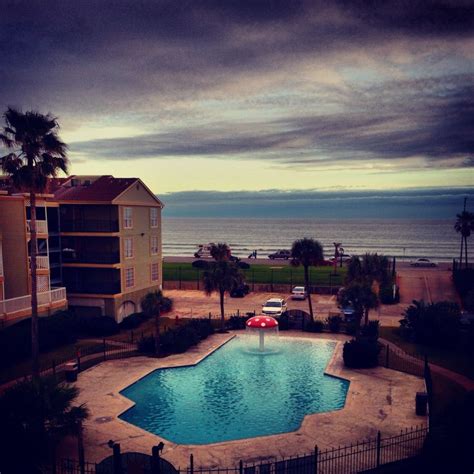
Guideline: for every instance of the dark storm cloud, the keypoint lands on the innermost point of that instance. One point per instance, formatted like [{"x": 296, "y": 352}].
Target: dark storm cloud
[
  {"x": 340, "y": 203},
  {"x": 103, "y": 58}
]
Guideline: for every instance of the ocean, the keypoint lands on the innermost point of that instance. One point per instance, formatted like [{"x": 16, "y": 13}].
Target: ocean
[{"x": 404, "y": 238}]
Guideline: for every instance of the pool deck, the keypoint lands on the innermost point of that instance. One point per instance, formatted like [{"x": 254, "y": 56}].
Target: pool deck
[{"x": 378, "y": 399}]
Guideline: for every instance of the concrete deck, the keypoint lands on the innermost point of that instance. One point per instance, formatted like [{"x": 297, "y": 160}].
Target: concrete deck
[{"x": 378, "y": 399}]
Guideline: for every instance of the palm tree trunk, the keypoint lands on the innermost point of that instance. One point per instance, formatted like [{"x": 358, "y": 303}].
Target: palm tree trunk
[
  {"x": 460, "y": 254},
  {"x": 80, "y": 448},
  {"x": 308, "y": 290},
  {"x": 34, "y": 289},
  {"x": 465, "y": 250},
  {"x": 221, "y": 298},
  {"x": 157, "y": 332},
  {"x": 366, "y": 316}
]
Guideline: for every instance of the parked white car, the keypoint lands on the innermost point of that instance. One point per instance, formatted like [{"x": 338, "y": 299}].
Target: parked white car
[
  {"x": 298, "y": 293},
  {"x": 423, "y": 262},
  {"x": 274, "y": 307}
]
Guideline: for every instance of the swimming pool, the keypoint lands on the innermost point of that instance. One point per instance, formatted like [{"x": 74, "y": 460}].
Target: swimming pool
[{"x": 237, "y": 393}]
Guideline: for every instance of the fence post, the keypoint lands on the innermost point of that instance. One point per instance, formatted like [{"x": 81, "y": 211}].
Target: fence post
[
  {"x": 117, "y": 459},
  {"x": 103, "y": 347},
  {"x": 316, "y": 452},
  {"x": 271, "y": 283},
  {"x": 155, "y": 460},
  {"x": 241, "y": 467},
  {"x": 179, "y": 277},
  {"x": 253, "y": 279},
  {"x": 191, "y": 464},
  {"x": 78, "y": 358},
  {"x": 378, "y": 448},
  {"x": 198, "y": 278},
  {"x": 386, "y": 356}
]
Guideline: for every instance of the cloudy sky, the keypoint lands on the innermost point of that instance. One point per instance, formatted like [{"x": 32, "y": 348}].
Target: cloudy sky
[{"x": 254, "y": 95}]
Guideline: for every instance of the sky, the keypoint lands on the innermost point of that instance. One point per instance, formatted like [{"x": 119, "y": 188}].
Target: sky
[{"x": 252, "y": 97}]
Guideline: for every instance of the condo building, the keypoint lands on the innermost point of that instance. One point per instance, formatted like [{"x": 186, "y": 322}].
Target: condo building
[{"x": 98, "y": 236}]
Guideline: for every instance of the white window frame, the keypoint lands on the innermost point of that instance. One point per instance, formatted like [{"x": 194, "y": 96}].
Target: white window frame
[
  {"x": 129, "y": 282},
  {"x": 156, "y": 266},
  {"x": 157, "y": 247},
  {"x": 127, "y": 248},
  {"x": 127, "y": 219},
  {"x": 153, "y": 217}
]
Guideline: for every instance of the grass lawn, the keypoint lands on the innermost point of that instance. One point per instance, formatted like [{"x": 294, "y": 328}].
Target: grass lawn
[
  {"x": 449, "y": 358},
  {"x": 278, "y": 274}
]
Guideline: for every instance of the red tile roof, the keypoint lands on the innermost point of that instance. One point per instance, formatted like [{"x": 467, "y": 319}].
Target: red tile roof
[{"x": 104, "y": 188}]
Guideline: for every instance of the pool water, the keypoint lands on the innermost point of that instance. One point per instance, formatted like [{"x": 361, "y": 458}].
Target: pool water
[{"x": 237, "y": 392}]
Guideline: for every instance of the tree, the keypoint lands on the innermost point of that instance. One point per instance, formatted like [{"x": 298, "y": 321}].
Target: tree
[
  {"x": 307, "y": 252},
  {"x": 36, "y": 154},
  {"x": 35, "y": 415},
  {"x": 221, "y": 276},
  {"x": 362, "y": 298},
  {"x": 152, "y": 303},
  {"x": 220, "y": 251},
  {"x": 464, "y": 225},
  {"x": 372, "y": 267}
]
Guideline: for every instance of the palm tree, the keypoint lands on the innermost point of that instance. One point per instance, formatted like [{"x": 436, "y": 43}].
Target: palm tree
[
  {"x": 372, "y": 267},
  {"x": 151, "y": 306},
  {"x": 220, "y": 251},
  {"x": 307, "y": 252},
  {"x": 362, "y": 298},
  {"x": 36, "y": 414},
  {"x": 221, "y": 276},
  {"x": 36, "y": 154},
  {"x": 464, "y": 225}
]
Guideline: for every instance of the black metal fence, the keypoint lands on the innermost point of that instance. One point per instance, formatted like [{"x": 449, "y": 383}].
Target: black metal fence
[{"x": 363, "y": 455}]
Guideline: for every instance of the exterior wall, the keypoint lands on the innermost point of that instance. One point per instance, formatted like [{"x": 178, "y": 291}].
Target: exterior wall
[
  {"x": 142, "y": 258},
  {"x": 15, "y": 250}
]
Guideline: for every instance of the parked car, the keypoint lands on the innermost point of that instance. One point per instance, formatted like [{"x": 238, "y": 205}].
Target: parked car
[
  {"x": 240, "y": 291},
  {"x": 299, "y": 293},
  {"x": 345, "y": 258},
  {"x": 204, "y": 251},
  {"x": 274, "y": 307},
  {"x": 280, "y": 254},
  {"x": 422, "y": 262}
]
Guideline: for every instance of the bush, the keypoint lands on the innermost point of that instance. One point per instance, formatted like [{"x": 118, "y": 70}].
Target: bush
[
  {"x": 360, "y": 354},
  {"x": 54, "y": 331},
  {"x": 283, "y": 321},
  {"x": 100, "y": 326},
  {"x": 314, "y": 326},
  {"x": 469, "y": 301},
  {"x": 433, "y": 324},
  {"x": 166, "y": 305},
  {"x": 132, "y": 321},
  {"x": 352, "y": 327},
  {"x": 386, "y": 295},
  {"x": 200, "y": 264},
  {"x": 371, "y": 331},
  {"x": 146, "y": 345},
  {"x": 334, "y": 323},
  {"x": 237, "y": 322},
  {"x": 243, "y": 265}
]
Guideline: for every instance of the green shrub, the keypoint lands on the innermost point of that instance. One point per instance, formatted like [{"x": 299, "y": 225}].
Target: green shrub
[
  {"x": 283, "y": 322},
  {"x": 360, "y": 354},
  {"x": 371, "y": 331},
  {"x": 469, "y": 301},
  {"x": 99, "y": 326},
  {"x": 243, "y": 265},
  {"x": 146, "y": 345},
  {"x": 386, "y": 295},
  {"x": 352, "y": 327},
  {"x": 237, "y": 322},
  {"x": 334, "y": 323},
  {"x": 200, "y": 264},
  {"x": 132, "y": 321},
  {"x": 166, "y": 305},
  {"x": 314, "y": 326}
]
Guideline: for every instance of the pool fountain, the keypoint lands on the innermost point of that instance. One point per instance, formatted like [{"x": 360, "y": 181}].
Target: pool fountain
[{"x": 262, "y": 325}]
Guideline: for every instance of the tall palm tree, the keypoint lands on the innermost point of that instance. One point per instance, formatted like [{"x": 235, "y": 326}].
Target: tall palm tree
[
  {"x": 464, "y": 225},
  {"x": 220, "y": 251},
  {"x": 151, "y": 306},
  {"x": 372, "y": 267},
  {"x": 221, "y": 276},
  {"x": 307, "y": 252},
  {"x": 362, "y": 298},
  {"x": 36, "y": 154}
]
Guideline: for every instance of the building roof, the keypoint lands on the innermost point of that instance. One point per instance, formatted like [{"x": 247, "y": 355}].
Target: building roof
[{"x": 103, "y": 188}]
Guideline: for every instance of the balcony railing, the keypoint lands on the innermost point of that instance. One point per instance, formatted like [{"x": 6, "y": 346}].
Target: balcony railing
[
  {"x": 91, "y": 257},
  {"x": 23, "y": 303},
  {"x": 42, "y": 262},
  {"x": 89, "y": 225},
  {"x": 41, "y": 227},
  {"x": 93, "y": 287}
]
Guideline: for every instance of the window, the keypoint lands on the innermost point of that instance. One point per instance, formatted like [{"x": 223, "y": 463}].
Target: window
[
  {"x": 129, "y": 277},
  {"x": 154, "y": 245},
  {"x": 128, "y": 247},
  {"x": 127, "y": 218},
  {"x": 155, "y": 272},
  {"x": 153, "y": 217}
]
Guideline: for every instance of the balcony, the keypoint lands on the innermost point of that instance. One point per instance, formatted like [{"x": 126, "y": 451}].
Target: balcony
[
  {"x": 91, "y": 257},
  {"x": 91, "y": 287},
  {"x": 41, "y": 227},
  {"x": 23, "y": 303},
  {"x": 89, "y": 225},
  {"x": 42, "y": 262}
]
